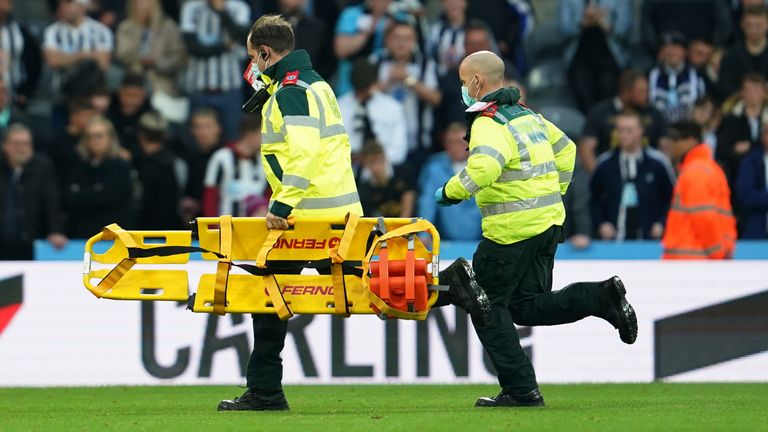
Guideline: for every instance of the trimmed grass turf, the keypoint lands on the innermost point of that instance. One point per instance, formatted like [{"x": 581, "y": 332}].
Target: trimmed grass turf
[{"x": 625, "y": 408}]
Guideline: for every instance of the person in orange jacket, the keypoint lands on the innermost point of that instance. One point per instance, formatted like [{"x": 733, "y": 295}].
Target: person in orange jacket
[{"x": 700, "y": 224}]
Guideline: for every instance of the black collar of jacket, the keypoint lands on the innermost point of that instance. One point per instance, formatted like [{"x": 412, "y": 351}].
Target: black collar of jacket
[
  {"x": 503, "y": 96},
  {"x": 295, "y": 61}
]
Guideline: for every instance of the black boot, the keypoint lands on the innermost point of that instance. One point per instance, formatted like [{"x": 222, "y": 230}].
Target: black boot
[
  {"x": 465, "y": 292},
  {"x": 505, "y": 399},
  {"x": 254, "y": 400},
  {"x": 617, "y": 310}
]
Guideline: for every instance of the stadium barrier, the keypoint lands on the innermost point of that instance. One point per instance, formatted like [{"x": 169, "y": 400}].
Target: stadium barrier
[{"x": 698, "y": 321}]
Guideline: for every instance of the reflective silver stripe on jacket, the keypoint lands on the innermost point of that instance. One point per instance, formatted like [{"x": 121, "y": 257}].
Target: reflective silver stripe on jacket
[
  {"x": 468, "y": 183},
  {"x": 695, "y": 252},
  {"x": 295, "y": 181},
  {"x": 325, "y": 129},
  {"x": 522, "y": 205},
  {"x": 525, "y": 174},
  {"x": 489, "y": 151},
  {"x": 330, "y": 202},
  {"x": 560, "y": 145},
  {"x": 566, "y": 176}
]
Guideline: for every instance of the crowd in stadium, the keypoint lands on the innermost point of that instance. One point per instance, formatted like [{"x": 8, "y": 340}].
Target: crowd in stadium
[{"x": 129, "y": 111}]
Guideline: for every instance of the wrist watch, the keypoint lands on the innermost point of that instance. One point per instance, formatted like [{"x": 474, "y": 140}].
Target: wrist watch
[{"x": 410, "y": 81}]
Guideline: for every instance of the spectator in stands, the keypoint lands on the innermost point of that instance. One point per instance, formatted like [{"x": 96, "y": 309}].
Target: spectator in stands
[
  {"x": 214, "y": 32},
  {"x": 22, "y": 62},
  {"x": 384, "y": 190},
  {"x": 458, "y": 222},
  {"x": 707, "y": 115},
  {"x": 76, "y": 37},
  {"x": 741, "y": 130},
  {"x": 748, "y": 55},
  {"x": 206, "y": 139},
  {"x": 100, "y": 187},
  {"x": 235, "y": 183},
  {"x": 511, "y": 21},
  {"x": 598, "y": 137},
  {"x": 674, "y": 84},
  {"x": 29, "y": 197},
  {"x": 695, "y": 19},
  {"x": 62, "y": 147},
  {"x": 446, "y": 36},
  {"x": 369, "y": 113},
  {"x": 310, "y": 34},
  {"x": 700, "y": 224},
  {"x": 9, "y": 113},
  {"x": 739, "y": 6},
  {"x": 159, "y": 204},
  {"x": 101, "y": 99},
  {"x": 359, "y": 33},
  {"x": 411, "y": 79},
  {"x": 631, "y": 187},
  {"x": 700, "y": 54},
  {"x": 598, "y": 34},
  {"x": 578, "y": 220},
  {"x": 127, "y": 106},
  {"x": 752, "y": 191},
  {"x": 149, "y": 44}
]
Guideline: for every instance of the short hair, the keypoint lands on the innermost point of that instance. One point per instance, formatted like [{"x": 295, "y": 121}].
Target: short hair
[
  {"x": 371, "y": 147},
  {"x": 133, "y": 80},
  {"x": 273, "y": 31},
  {"x": 249, "y": 123},
  {"x": 205, "y": 112},
  {"x": 455, "y": 127},
  {"x": 398, "y": 23},
  {"x": 754, "y": 78},
  {"x": 755, "y": 10},
  {"x": 684, "y": 129},
  {"x": 364, "y": 74},
  {"x": 476, "y": 24},
  {"x": 153, "y": 126},
  {"x": 80, "y": 104},
  {"x": 14, "y": 128},
  {"x": 628, "y": 78},
  {"x": 629, "y": 112},
  {"x": 703, "y": 100}
]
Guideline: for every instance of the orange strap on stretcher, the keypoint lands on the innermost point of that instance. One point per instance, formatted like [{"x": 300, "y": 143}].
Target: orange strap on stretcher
[
  {"x": 224, "y": 265},
  {"x": 338, "y": 255},
  {"x": 111, "y": 232}
]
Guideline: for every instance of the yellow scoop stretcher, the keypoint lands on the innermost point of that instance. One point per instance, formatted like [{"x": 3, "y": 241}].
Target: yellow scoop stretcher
[{"x": 363, "y": 266}]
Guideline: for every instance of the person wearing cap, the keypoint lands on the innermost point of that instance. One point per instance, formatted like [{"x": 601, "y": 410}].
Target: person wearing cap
[
  {"x": 519, "y": 167},
  {"x": 158, "y": 207},
  {"x": 307, "y": 158},
  {"x": 700, "y": 224},
  {"x": 674, "y": 85}
]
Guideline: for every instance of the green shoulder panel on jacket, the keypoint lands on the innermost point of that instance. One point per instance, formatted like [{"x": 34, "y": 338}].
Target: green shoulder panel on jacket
[
  {"x": 511, "y": 112},
  {"x": 292, "y": 101}
]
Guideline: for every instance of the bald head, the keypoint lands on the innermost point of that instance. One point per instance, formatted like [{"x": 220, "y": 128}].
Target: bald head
[{"x": 482, "y": 72}]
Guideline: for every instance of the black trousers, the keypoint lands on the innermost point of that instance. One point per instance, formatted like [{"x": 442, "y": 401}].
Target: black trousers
[
  {"x": 265, "y": 366},
  {"x": 518, "y": 281}
]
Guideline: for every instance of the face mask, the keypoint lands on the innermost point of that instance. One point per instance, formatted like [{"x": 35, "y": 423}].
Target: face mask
[{"x": 465, "y": 97}]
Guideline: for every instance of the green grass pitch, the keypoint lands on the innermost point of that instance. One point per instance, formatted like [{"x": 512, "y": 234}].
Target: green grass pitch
[{"x": 420, "y": 408}]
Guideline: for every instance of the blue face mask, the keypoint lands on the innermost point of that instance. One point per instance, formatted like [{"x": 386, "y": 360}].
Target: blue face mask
[
  {"x": 465, "y": 97},
  {"x": 255, "y": 69}
]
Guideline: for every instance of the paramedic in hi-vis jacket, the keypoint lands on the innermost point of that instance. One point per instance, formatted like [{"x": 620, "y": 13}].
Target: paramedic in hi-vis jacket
[
  {"x": 520, "y": 166},
  {"x": 307, "y": 159}
]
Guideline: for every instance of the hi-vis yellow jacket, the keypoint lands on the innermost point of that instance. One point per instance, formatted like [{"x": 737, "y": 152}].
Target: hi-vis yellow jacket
[
  {"x": 519, "y": 167},
  {"x": 305, "y": 148}
]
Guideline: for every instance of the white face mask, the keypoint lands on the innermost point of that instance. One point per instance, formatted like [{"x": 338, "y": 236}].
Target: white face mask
[{"x": 465, "y": 97}]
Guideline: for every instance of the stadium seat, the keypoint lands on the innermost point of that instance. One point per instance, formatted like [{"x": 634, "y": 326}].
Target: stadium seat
[
  {"x": 545, "y": 42},
  {"x": 548, "y": 74},
  {"x": 568, "y": 119}
]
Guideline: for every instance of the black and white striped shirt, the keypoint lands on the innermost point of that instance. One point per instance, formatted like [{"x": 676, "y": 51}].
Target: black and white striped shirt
[
  {"x": 89, "y": 36},
  {"x": 11, "y": 51},
  {"x": 446, "y": 45},
  {"x": 220, "y": 72}
]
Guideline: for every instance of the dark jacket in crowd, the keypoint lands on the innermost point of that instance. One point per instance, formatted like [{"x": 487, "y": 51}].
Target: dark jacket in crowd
[
  {"x": 736, "y": 63},
  {"x": 98, "y": 195},
  {"x": 752, "y": 195},
  {"x": 654, "y": 183},
  {"x": 312, "y": 35},
  {"x": 61, "y": 150},
  {"x": 34, "y": 209},
  {"x": 158, "y": 208},
  {"x": 197, "y": 163},
  {"x": 127, "y": 126},
  {"x": 734, "y": 128},
  {"x": 696, "y": 19}
]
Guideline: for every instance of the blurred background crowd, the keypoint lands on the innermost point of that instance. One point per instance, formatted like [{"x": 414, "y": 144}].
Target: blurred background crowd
[{"x": 128, "y": 111}]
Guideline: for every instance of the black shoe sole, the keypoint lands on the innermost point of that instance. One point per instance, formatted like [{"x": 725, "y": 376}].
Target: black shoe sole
[
  {"x": 627, "y": 317},
  {"x": 479, "y": 307},
  {"x": 235, "y": 407},
  {"x": 537, "y": 404}
]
